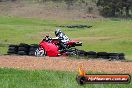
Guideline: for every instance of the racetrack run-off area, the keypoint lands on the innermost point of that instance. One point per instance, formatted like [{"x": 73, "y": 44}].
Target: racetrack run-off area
[{"x": 64, "y": 64}]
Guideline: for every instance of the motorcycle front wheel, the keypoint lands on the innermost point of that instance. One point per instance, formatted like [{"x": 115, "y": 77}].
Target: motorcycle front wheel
[{"x": 40, "y": 52}]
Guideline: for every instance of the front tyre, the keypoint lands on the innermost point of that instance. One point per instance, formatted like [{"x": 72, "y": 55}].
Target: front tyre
[{"x": 40, "y": 52}]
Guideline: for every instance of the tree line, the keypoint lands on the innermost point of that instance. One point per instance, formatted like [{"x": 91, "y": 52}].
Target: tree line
[
  {"x": 107, "y": 8},
  {"x": 115, "y": 8}
]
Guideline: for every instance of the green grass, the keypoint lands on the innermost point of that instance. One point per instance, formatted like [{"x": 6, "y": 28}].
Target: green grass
[
  {"x": 106, "y": 34},
  {"x": 14, "y": 78}
]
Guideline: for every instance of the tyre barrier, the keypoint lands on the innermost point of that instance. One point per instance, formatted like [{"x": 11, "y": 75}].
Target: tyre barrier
[
  {"x": 32, "y": 49},
  {"x": 22, "y": 49},
  {"x": 26, "y": 49},
  {"x": 92, "y": 54},
  {"x": 75, "y": 26},
  {"x": 101, "y": 55},
  {"x": 81, "y": 53},
  {"x": 117, "y": 56},
  {"x": 13, "y": 49}
]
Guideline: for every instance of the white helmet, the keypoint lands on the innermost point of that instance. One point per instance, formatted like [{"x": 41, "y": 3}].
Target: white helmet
[{"x": 57, "y": 31}]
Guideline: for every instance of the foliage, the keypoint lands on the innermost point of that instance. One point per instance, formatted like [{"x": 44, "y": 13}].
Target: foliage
[
  {"x": 113, "y": 8},
  {"x": 107, "y": 8}
]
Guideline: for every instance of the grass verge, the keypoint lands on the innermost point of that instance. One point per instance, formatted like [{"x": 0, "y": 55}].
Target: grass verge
[{"x": 14, "y": 78}]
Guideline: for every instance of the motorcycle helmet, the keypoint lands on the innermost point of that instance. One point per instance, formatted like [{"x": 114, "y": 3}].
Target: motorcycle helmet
[{"x": 57, "y": 32}]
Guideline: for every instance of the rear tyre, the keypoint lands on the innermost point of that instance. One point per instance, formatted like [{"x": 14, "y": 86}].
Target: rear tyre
[{"x": 40, "y": 52}]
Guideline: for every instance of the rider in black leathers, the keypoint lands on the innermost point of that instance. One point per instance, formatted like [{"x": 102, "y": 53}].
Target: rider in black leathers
[{"x": 62, "y": 38}]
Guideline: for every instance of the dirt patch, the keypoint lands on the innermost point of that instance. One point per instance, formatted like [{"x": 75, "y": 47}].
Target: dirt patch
[
  {"x": 64, "y": 64},
  {"x": 47, "y": 10},
  {"x": 24, "y": 9}
]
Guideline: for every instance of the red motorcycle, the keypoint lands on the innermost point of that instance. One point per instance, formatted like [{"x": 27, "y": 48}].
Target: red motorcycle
[{"x": 54, "y": 47}]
